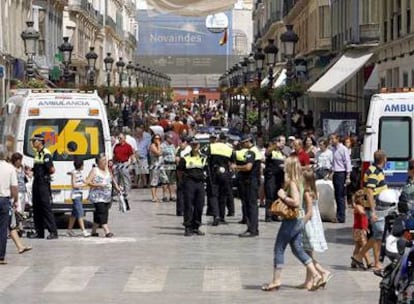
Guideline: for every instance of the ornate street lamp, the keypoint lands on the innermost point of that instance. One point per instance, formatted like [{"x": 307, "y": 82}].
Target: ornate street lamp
[
  {"x": 108, "y": 61},
  {"x": 137, "y": 74},
  {"x": 289, "y": 40},
  {"x": 30, "y": 37},
  {"x": 271, "y": 51},
  {"x": 66, "y": 49},
  {"x": 120, "y": 68},
  {"x": 91, "y": 62},
  {"x": 130, "y": 71},
  {"x": 259, "y": 58}
]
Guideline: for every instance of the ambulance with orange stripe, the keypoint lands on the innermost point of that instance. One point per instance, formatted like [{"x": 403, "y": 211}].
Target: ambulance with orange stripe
[{"x": 74, "y": 124}]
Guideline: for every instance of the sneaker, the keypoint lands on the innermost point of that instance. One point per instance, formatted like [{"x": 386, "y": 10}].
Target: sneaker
[
  {"x": 70, "y": 233},
  {"x": 165, "y": 199},
  {"x": 85, "y": 233}
]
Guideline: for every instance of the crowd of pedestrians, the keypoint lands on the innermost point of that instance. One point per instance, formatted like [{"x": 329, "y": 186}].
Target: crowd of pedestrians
[{"x": 159, "y": 150}]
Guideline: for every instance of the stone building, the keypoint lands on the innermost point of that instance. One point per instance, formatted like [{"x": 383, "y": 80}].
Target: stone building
[{"x": 395, "y": 54}]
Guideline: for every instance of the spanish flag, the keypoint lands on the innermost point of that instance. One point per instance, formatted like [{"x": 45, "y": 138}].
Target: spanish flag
[{"x": 223, "y": 39}]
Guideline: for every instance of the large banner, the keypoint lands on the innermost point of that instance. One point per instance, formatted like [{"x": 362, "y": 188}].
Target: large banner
[{"x": 181, "y": 45}]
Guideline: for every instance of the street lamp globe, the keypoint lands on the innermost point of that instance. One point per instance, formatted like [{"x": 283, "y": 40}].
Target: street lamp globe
[
  {"x": 244, "y": 64},
  {"x": 271, "y": 52},
  {"x": 259, "y": 58},
  {"x": 120, "y": 66},
  {"x": 108, "y": 61},
  {"x": 30, "y": 37},
  {"x": 66, "y": 49},
  {"x": 289, "y": 40},
  {"x": 130, "y": 68},
  {"x": 91, "y": 58},
  {"x": 251, "y": 63}
]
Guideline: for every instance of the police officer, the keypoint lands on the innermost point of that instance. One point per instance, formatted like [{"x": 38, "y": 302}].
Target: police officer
[
  {"x": 42, "y": 210},
  {"x": 249, "y": 175},
  {"x": 183, "y": 150},
  {"x": 240, "y": 161},
  {"x": 204, "y": 150},
  {"x": 192, "y": 168},
  {"x": 220, "y": 154},
  {"x": 273, "y": 174}
]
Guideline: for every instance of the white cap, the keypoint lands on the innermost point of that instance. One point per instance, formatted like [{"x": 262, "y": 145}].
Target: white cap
[{"x": 292, "y": 138}]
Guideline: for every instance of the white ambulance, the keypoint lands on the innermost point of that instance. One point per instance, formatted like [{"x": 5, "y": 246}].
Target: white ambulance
[
  {"x": 389, "y": 127},
  {"x": 74, "y": 124}
]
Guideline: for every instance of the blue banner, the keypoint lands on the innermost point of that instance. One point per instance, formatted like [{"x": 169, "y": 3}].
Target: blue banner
[{"x": 166, "y": 34}]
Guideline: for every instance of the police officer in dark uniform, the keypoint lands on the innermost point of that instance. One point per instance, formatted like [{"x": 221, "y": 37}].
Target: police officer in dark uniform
[
  {"x": 192, "y": 169},
  {"x": 273, "y": 174},
  {"x": 42, "y": 209},
  {"x": 220, "y": 154},
  {"x": 249, "y": 175},
  {"x": 204, "y": 150},
  {"x": 240, "y": 161},
  {"x": 182, "y": 151}
]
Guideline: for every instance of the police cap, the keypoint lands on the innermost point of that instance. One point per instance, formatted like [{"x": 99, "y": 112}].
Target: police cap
[
  {"x": 246, "y": 137},
  {"x": 222, "y": 136},
  {"x": 39, "y": 137}
]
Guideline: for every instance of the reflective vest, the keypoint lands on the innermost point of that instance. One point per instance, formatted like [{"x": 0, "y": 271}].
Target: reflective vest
[
  {"x": 277, "y": 155},
  {"x": 221, "y": 149},
  {"x": 39, "y": 157},
  {"x": 241, "y": 156},
  {"x": 257, "y": 153},
  {"x": 195, "y": 162}
]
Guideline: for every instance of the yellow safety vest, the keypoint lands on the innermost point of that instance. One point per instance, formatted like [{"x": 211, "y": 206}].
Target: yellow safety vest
[
  {"x": 277, "y": 155},
  {"x": 221, "y": 149},
  {"x": 39, "y": 158},
  {"x": 241, "y": 155},
  {"x": 195, "y": 162},
  {"x": 257, "y": 153}
]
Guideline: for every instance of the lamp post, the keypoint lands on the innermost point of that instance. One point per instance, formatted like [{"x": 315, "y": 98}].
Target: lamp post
[
  {"x": 289, "y": 40},
  {"x": 108, "y": 61},
  {"x": 259, "y": 58},
  {"x": 245, "y": 70},
  {"x": 66, "y": 49},
  {"x": 120, "y": 64},
  {"x": 91, "y": 62},
  {"x": 271, "y": 52},
  {"x": 137, "y": 74},
  {"x": 30, "y": 37}
]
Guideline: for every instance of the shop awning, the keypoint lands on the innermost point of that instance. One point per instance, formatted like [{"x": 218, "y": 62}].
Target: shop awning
[
  {"x": 339, "y": 74},
  {"x": 265, "y": 81},
  {"x": 281, "y": 80},
  {"x": 373, "y": 81}
]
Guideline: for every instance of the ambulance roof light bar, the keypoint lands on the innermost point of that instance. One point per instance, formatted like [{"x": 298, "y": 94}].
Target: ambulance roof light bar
[
  {"x": 36, "y": 91},
  {"x": 396, "y": 90}
]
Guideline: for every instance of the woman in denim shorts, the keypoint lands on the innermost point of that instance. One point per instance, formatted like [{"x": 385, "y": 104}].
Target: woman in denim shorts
[{"x": 77, "y": 208}]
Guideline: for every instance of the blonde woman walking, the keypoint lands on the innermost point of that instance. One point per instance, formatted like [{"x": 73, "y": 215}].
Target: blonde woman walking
[
  {"x": 313, "y": 234},
  {"x": 290, "y": 232}
]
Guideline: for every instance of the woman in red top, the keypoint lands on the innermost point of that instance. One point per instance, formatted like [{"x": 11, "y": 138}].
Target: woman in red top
[{"x": 360, "y": 228}]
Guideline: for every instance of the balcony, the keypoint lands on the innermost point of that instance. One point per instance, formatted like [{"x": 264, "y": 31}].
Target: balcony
[
  {"x": 110, "y": 22},
  {"x": 85, "y": 8},
  {"x": 369, "y": 33}
]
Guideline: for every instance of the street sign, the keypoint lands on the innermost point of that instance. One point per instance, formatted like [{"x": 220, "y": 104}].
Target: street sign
[{"x": 2, "y": 70}]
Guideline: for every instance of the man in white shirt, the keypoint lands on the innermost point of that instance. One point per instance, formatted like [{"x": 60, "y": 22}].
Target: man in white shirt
[{"x": 8, "y": 191}]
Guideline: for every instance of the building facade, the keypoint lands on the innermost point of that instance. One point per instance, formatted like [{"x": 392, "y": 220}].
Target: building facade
[{"x": 395, "y": 54}]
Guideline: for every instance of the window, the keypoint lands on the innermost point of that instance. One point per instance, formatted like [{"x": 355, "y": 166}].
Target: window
[
  {"x": 405, "y": 80},
  {"x": 382, "y": 82},
  {"x": 324, "y": 22},
  {"x": 396, "y": 77},
  {"x": 396, "y": 147},
  {"x": 66, "y": 138},
  {"x": 408, "y": 20},
  {"x": 385, "y": 31}
]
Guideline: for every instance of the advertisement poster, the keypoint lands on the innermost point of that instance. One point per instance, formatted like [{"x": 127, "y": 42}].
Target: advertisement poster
[{"x": 340, "y": 123}]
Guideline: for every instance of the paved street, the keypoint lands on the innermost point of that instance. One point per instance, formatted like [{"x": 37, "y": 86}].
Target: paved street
[{"x": 149, "y": 261}]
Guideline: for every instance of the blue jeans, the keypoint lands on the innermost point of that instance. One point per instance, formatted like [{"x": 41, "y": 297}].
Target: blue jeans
[
  {"x": 290, "y": 232},
  {"x": 338, "y": 180},
  {"x": 4, "y": 224},
  {"x": 77, "y": 208}
]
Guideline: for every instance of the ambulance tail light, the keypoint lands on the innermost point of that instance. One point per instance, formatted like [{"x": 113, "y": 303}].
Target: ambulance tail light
[
  {"x": 93, "y": 112},
  {"x": 34, "y": 112},
  {"x": 364, "y": 168}
]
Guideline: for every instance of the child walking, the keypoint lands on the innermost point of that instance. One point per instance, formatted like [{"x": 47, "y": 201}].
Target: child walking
[
  {"x": 360, "y": 228},
  {"x": 77, "y": 208}
]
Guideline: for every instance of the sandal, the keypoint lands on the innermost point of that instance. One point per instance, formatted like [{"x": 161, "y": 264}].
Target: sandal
[
  {"x": 28, "y": 248},
  {"x": 109, "y": 235},
  {"x": 358, "y": 264},
  {"x": 270, "y": 287},
  {"x": 302, "y": 286},
  {"x": 326, "y": 279},
  {"x": 317, "y": 282}
]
